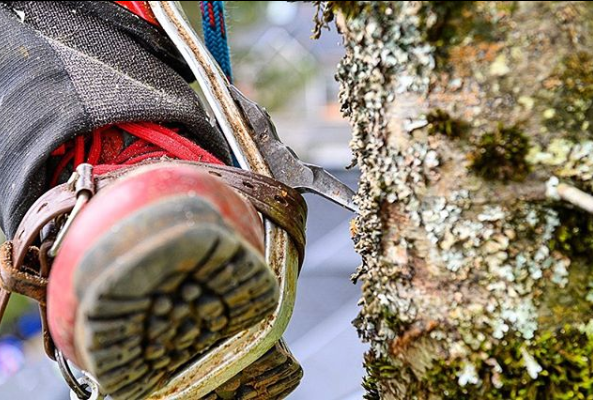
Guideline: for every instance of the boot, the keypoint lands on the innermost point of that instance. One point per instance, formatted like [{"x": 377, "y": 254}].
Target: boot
[{"x": 158, "y": 267}]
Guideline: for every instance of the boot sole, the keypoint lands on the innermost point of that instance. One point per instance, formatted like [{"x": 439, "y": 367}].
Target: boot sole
[
  {"x": 272, "y": 377},
  {"x": 156, "y": 304}
]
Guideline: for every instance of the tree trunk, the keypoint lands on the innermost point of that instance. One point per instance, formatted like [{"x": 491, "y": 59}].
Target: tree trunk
[{"x": 477, "y": 276}]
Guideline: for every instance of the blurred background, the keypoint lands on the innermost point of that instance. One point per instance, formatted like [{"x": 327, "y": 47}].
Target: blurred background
[{"x": 277, "y": 64}]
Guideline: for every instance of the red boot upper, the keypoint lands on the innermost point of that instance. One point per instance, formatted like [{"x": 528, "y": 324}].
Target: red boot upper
[{"x": 119, "y": 200}]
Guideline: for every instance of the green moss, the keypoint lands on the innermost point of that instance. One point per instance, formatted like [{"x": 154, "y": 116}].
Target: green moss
[
  {"x": 566, "y": 370},
  {"x": 440, "y": 122},
  {"x": 500, "y": 155},
  {"x": 377, "y": 369},
  {"x": 572, "y": 97},
  {"x": 574, "y": 237}
]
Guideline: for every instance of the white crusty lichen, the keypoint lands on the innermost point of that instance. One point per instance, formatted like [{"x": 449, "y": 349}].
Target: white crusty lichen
[
  {"x": 468, "y": 375},
  {"x": 567, "y": 160},
  {"x": 533, "y": 368},
  {"x": 385, "y": 54}
]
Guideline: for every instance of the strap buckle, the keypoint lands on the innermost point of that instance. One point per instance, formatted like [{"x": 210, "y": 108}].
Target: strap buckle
[{"x": 81, "y": 182}]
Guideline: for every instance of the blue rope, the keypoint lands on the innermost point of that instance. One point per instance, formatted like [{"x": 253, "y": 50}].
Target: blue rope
[{"x": 215, "y": 36}]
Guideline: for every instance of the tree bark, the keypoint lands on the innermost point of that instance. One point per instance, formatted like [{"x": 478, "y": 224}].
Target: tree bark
[{"x": 476, "y": 276}]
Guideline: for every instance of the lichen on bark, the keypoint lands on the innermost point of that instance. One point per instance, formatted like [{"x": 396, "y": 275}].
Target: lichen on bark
[{"x": 476, "y": 284}]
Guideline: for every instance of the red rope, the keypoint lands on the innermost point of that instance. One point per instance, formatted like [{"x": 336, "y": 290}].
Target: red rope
[
  {"x": 138, "y": 147},
  {"x": 106, "y": 153},
  {"x": 96, "y": 147},
  {"x": 78, "y": 150}
]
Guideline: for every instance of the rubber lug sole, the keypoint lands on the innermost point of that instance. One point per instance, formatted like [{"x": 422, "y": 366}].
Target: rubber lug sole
[{"x": 156, "y": 305}]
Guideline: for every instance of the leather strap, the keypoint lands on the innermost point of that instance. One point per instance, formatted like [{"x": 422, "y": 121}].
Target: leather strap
[
  {"x": 44, "y": 268},
  {"x": 279, "y": 203},
  {"x": 53, "y": 203},
  {"x": 18, "y": 280}
]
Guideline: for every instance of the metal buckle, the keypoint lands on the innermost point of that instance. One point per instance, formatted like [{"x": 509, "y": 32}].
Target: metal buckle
[
  {"x": 80, "y": 182},
  {"x": 83, "y": 388}
]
